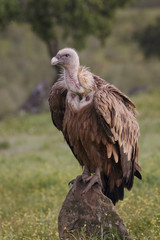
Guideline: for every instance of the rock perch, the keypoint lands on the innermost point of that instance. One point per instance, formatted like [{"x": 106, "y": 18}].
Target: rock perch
[{"x": 93, "y": 212}]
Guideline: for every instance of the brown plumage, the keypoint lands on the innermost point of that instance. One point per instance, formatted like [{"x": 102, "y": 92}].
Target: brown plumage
[{"x": 98, "y": 123}]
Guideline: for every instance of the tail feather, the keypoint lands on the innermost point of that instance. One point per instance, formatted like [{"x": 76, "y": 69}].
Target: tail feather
[
  {"x": 138, "y": 175},
  {"x": 116, "y": 194},
  {"x": 113, "y": 188},
  {"x": 137, "y": 171}
]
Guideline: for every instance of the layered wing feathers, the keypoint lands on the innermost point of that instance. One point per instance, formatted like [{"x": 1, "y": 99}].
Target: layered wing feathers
[
  {"x": 118, "y": 119},
  {"x": 57, "y": 98}
]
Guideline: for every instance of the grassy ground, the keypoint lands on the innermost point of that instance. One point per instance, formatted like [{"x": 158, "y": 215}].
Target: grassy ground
[{"x": 36, "y": 165}]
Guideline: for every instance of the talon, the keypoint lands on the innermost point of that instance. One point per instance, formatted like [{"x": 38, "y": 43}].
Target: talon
[
  {"x": 71, "y": 182},
  {"x": 86, "y": 175},
  {"x": 85, "y": 180},
  {"x": 96, "y": 178}
]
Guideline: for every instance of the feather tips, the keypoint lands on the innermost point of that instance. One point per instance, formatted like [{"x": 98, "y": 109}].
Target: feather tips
[{"x": 116, "y": 109}]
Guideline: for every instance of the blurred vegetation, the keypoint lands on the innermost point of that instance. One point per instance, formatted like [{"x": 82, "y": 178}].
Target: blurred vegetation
[
  {"x": 24, "y": 60},
  {"x": 145, "y": 3},
  {"x": 10, "y": 10},
  {"x": 56, "y": 21},
  {"x": 36, "y": 166},
  {"x": 149, "y": 39},
  {"x": 75, "y": 19}
]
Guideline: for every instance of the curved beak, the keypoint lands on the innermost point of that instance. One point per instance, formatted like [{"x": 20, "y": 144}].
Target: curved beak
[{"x": 54, "y": 61}]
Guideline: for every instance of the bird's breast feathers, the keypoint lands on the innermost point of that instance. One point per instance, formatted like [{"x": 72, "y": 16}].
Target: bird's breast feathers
[{"x": 77, "y": 102}]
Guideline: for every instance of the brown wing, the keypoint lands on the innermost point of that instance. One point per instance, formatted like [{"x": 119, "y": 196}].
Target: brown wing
[
  {"x": 56, "y": 100},
  {"x": 118, "y": 119}
]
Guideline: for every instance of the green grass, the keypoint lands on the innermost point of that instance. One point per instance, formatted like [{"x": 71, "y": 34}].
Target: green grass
[
  {"x": 34, "y": 172},
  {"x": 36, "y": 166}
]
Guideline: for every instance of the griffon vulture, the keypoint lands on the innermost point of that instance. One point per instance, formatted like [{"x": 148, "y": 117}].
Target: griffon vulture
[{"x": 98, "y": 123}]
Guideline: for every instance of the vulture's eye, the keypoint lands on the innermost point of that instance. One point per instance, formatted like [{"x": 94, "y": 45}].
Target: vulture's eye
[{"x": 67, "y": 55}]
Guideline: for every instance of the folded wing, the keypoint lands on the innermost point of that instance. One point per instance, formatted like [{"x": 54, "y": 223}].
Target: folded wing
[
  {"x": 116, "y": 112},
  {"x": 57, "y": 100}
]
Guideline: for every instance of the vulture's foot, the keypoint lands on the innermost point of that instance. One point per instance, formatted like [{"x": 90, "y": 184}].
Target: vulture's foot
[
  {"x": 86, "y": 177},
  {"x": 73, "y": 182},
  {"x": 91, "y": 179}
]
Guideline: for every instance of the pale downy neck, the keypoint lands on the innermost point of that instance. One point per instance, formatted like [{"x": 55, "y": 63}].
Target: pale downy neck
[{"x": 71, "y": 79}]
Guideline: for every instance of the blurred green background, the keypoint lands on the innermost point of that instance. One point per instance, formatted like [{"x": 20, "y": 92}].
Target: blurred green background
[
  {"x": 26, "y": 48},
  {"x": 117, "y": 40}
]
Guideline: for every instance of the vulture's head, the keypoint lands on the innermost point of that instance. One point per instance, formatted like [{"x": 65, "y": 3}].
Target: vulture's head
[
  {"x": 67, "y": 58},
  {"x": 77, "y": 79}
]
